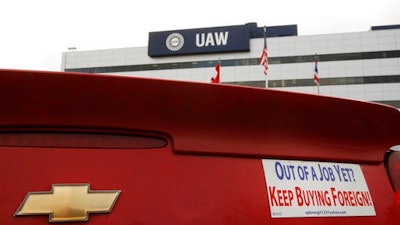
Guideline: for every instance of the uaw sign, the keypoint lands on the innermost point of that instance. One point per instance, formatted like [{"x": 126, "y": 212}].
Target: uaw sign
[{"x": 199, "y": 41}]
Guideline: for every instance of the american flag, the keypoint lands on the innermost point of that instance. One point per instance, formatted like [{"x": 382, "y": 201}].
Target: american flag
[
  {"x": 264, "y": 60},
  {"x": 316, "y": 79},
  {"x": 264, "y": 55}
]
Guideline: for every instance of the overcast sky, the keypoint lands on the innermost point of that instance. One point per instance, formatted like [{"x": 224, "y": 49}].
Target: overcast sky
[{"x": 34, "y": 33}]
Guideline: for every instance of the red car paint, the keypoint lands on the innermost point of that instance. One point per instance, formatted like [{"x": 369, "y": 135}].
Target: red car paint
[{"x": 210, "y": 170}]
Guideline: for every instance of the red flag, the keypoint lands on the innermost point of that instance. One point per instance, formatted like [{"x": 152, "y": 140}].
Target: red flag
[
  {"x": 316, "y": 79},
  {"x": 215, "y": 79}
]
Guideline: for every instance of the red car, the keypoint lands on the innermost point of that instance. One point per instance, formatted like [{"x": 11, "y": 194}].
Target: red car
[{"x": 101, "y": 149}]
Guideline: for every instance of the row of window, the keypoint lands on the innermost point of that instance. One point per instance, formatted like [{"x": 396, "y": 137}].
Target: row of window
[
  {"x": 323, "y": 81},
  {"x": 240, "y": 62},
  {"x": 335, "y": 81},
  {"x": 391, "y": 103}
]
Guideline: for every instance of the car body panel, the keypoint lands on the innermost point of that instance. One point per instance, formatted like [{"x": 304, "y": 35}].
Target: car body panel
[{"x": 210, "y": 171}]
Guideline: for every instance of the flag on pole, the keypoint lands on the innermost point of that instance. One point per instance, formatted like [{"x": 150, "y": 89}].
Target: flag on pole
[
  {"x": 215, "y": 80},
  {"x": 264, "y": 54},
  {"x": 316, "y": 79}
]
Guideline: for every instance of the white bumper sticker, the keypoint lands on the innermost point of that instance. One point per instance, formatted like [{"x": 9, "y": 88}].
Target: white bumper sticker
[{"x": 316, "y": 189}]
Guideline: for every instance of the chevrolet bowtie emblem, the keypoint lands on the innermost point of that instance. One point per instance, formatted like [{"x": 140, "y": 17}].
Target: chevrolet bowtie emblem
[{"x": 66, "y": 202}]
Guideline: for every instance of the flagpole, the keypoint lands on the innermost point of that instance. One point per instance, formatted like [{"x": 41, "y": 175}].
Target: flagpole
[
  {"x": 219, "y": 70},
  {"x": 265, "y": 46}
]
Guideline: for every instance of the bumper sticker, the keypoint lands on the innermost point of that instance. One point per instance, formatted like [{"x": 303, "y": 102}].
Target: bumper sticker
[{"x": 316, "y": 189}]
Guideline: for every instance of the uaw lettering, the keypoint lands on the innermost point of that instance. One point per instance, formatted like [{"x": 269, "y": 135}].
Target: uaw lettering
[
  {"x": 296, "y": 188},
  {"x": 212, "y": 39},
  {"x": 199, "y": 41}
]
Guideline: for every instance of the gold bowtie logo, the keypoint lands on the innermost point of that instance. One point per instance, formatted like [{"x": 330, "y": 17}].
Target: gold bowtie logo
[{"x": 68, "y": 202}]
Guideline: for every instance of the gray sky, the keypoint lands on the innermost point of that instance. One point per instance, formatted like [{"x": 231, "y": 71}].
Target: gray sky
[{"x": 34, "y": 33}]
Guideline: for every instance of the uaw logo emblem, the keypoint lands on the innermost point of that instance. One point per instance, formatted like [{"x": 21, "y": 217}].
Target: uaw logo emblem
[
  {"x": 175, "y": 42},
  {"x": 68, "y": 203}
]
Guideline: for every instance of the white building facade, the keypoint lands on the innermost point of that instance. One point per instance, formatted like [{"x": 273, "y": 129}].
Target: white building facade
[{"x": 360, "y": 65}]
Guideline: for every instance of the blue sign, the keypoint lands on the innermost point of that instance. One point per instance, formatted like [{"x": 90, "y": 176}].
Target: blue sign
[{"x": 199, "y": 41}]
